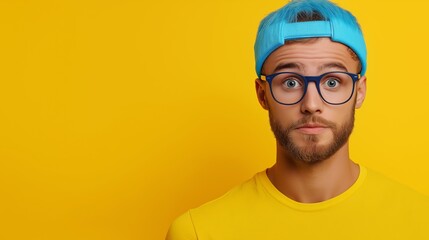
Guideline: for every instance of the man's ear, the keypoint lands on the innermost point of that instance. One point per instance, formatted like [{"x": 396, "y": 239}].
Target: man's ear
[
  {"x": 260, "y": 86},
  {"x": 360, "y": 91}
]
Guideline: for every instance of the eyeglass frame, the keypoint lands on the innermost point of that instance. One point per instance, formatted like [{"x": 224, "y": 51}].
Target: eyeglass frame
[{"x": 307, "y": 80}]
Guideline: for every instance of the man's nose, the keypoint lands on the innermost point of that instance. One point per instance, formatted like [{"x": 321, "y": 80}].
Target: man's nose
[{"x": 312, "y": 101}]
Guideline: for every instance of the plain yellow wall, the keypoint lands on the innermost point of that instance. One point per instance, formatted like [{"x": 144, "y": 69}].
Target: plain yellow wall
[{"x": 117, "y": 116}]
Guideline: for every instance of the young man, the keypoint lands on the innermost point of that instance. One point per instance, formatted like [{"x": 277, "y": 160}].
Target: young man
[{"x": 311, "y": 63}]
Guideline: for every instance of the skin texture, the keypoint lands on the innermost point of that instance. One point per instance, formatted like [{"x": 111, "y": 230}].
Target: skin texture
[{"x": 326, "y": 170}]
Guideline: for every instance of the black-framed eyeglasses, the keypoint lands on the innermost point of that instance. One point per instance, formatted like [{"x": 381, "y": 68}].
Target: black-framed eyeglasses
[{"x": 289, "y": 88}]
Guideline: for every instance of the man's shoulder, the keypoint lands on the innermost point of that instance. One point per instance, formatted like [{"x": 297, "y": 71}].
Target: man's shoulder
[
  {"x": 379, "y": 181},
  {"x": 223, "y": 207},
  {"x": 235, "y": 197},
  {"x": 390, "y": 191}
]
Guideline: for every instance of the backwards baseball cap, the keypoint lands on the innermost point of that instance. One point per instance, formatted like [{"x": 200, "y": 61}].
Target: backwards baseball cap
[{"x": 283, "y": 25}]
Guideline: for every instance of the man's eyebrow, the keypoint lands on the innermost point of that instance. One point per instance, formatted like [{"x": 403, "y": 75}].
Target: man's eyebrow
[
  {"x": 286, "y": 65},
  {"x": 334, "y": 65}
]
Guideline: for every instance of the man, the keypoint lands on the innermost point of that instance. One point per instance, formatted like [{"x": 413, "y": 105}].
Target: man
[{"x": 311, "y": 63}]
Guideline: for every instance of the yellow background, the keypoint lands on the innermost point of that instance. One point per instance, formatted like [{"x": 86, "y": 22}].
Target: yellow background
[{"x": 117, "y": 116}]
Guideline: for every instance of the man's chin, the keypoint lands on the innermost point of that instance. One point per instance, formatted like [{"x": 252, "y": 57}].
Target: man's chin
[{"x": 310, "y": 151}]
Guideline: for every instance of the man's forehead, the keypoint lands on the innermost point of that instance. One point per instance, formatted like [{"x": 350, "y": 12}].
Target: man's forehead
[{"x": 300, "y": 67}]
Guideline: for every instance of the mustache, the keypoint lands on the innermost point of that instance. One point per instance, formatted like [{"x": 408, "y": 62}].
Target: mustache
[{"x": 312, "y": 120}]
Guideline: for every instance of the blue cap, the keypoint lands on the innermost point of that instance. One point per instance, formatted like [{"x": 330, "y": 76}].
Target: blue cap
[{"x": 280, "y": 26}]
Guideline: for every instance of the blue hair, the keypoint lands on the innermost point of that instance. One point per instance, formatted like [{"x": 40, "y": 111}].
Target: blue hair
[{"x": 286, "y": 24}]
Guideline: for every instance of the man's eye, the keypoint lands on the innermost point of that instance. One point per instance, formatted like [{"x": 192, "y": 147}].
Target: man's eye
[
  {"x": 332, "y": 83},
  {"x": 291, "y": 83}
]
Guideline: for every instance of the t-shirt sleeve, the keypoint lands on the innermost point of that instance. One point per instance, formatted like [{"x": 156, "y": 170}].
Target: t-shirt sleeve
[{"x": 182, "y": 228}]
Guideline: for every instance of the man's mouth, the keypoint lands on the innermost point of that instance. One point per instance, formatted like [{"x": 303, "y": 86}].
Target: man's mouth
[{"x": 312, "y": 128}]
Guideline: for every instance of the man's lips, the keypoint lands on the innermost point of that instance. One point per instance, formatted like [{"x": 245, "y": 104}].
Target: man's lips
[{"x": 312, "y": 128}]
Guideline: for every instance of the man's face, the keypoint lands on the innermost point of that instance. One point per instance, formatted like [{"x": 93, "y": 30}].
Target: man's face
[{"x": 311, "y": 130}]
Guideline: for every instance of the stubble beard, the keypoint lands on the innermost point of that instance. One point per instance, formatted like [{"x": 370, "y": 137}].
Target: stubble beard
[{"x": 312, "y": 152}]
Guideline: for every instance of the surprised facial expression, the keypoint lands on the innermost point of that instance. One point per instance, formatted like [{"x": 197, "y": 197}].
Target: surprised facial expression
[{"x": 311, "y": 130}]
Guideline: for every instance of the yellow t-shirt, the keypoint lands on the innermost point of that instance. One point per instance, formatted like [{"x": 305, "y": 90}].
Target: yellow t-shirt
[{"x": 372, "y": 208}]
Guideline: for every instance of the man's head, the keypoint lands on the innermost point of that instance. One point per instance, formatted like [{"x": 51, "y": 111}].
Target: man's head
[
  {"x": 300, "y": 19},
  {"x": 310, "y": 85}
]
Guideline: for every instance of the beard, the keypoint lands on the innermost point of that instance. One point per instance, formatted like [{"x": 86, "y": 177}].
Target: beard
[{"x": 312, "y": 152}]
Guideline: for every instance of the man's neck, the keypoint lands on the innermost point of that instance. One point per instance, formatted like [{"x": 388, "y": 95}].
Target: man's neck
[{"x": 313, "y": 182}]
